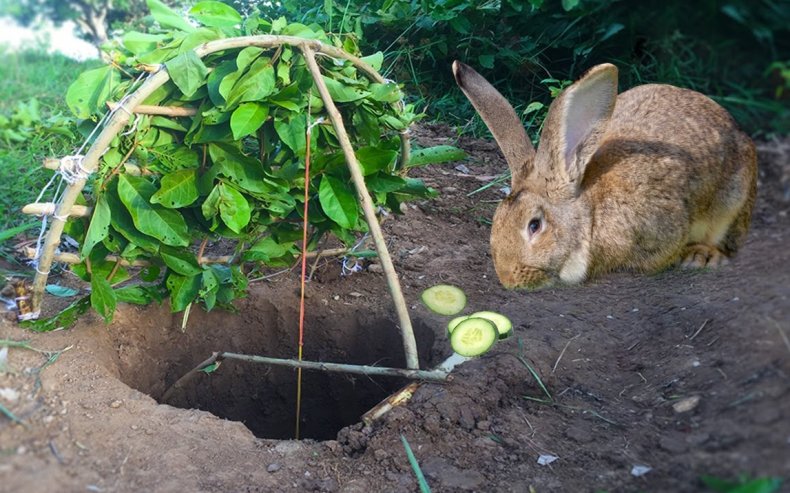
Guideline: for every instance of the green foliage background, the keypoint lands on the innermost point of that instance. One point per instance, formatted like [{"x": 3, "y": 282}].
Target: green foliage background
[{"x": 736, "y": 51}]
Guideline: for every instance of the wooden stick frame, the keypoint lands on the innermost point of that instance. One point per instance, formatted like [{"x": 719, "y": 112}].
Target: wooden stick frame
[{"x": 122, "y": 114}]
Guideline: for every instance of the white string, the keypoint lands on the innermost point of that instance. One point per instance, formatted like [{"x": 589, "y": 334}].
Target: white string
[
  {"x": 133, "y": 127},
  {"x": 71, "y": 170},
  {"x": 318, "y": 121}
]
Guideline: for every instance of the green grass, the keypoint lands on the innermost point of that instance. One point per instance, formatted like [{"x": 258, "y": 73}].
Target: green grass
[
  {"x": 31, "y": 75},
  {"x": 36, "y": 74}
]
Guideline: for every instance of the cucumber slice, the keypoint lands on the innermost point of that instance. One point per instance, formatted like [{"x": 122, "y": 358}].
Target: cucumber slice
[
  {"x": 452, "y": 324},
  {"x": 503, "y": 324},
  {"x": 473, "y": 337},
  {"x": 444, "y": 299}
]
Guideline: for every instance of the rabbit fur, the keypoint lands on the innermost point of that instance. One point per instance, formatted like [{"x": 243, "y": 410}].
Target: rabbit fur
[{"x": 654, "y": 177}]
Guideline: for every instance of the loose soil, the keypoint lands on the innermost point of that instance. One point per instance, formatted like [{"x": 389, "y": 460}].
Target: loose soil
[{"x": 685, "y": 373}]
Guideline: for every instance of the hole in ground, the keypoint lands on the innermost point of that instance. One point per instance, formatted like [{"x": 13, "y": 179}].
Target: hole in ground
[{"x": 153, "y": 355}]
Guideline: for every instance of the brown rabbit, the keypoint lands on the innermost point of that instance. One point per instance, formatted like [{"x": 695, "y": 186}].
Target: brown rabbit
[{"x": 654, "y": 177}]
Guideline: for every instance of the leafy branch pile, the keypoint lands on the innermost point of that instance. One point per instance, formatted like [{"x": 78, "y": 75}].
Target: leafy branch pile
[{"x": 234, "y": 169}]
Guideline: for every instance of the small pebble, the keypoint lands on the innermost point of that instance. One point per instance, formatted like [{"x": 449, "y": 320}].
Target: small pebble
[
  {"x": 686, "y": 405},
  {"x": 116, "y": 404},
  {"x": 274, "y": 467}
]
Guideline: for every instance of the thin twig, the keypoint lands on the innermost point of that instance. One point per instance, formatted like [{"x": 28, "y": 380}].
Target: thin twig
[
  {"x": 783, "y": 335},
  {"x": 562, "y": 352},
  {"x": 700, "y": 329},
  {"x": 431, "y": 375},
  {"x": 180, "y": 382}
]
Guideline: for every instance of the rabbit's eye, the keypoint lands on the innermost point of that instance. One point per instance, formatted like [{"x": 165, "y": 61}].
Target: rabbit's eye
[{"x": 534, "y": 226}]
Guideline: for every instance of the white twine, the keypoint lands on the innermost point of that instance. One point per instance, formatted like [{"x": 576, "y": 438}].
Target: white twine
[
  {"x": 133, "y": 128},
  {"x": 28, "y": 316},
  {"x": 317, "y": 122},
  {"x": 71, "y": 170}
]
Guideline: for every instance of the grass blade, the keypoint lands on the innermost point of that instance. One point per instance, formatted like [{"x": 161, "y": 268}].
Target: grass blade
[
  {"x": 424, "y": 488},
  {"x": 536, "y": 377},
  {"x": 9, "y": 233},
  {"x": 10, "y": 415}
]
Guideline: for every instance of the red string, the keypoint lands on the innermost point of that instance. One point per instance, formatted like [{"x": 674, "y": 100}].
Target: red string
[{"x": 303, "y": 280}]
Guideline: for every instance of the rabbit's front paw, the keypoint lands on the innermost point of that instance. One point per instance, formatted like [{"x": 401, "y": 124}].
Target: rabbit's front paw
[{"x": 698, "y": 255}]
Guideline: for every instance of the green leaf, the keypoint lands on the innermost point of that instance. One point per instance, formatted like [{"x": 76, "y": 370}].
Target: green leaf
[
  {"x": 122, "y": 222},
  {"x": 99, "y": 227},
  {"x": 139, "y": 43},
  {"x": 373, "y": 159},
  {"x": 180, "y": 261},
  {"x": 216, "y": 78},
  {"x": 215, "y": 14},
  {"x": 486, "y": 61},
  {"x": 247, "y": 119},
  {"x": 338, "y": 202},
  {"x": 233, "y": 208},
  {"x": 343, "y": 94},
  {"x": 246, "y": 56},
  {"x": 384, "y": 183},
  {"x": 255, "y": 85},
  {"x": 210, "y": 206},
  {"x": 435, "y": 155},
  {"x": 168, "y": 226},
  {"x": 266, "y": 250},
  {"x": 137, "y": 295},
  {"x": 88, "y": 94},
  {"x": 386, "y": 93},
  {"x": 211, "y": 368},
  {"x": 533, "y": 107},
  {"x": 244, "y": 171},
  {"x": 188, "y": 72},
  {"x": 183, "y": 290},
  {"x": 64, "y": 319},
  {"x": 102, "y": 297},
  {"x": 293, "y": 133},
  {"x": 61, "y": 291},
  {"x": 415, "y": 186},
  {"x": 177, "y": 189},
  {"x": 209, "y": 288},
  {"x": 166, "y": 17},
  {"x": 569, "y": 5},
  {"x": 375, "y": 60},
  {"x": 197, "y": 38}
]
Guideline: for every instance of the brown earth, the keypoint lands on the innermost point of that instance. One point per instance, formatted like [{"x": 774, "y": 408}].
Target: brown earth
[{"x": 686, "y": 372}]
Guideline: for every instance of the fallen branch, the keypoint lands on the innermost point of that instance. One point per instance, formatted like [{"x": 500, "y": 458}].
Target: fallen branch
[{"x": 439, "y": 375}]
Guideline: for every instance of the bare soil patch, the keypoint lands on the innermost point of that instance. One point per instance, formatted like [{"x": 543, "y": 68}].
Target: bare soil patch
[{"x": 685, "y": 372}]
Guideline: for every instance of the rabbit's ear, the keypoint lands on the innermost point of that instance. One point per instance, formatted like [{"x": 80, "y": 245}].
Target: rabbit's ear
[
  {"x": 582, "y": 113},
  {"x": 500, "y": 118}
]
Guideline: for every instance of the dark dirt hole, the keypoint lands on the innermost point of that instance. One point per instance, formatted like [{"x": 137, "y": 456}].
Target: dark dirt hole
[{"x": 157, "y": 353}]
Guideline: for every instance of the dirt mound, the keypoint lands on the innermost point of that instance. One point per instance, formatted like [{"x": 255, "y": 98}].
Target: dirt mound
[{"x": 681, "y": 374}]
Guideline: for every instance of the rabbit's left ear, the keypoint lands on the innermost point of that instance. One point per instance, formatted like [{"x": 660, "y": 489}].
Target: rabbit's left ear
[{"x": 581, "y": 115}]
